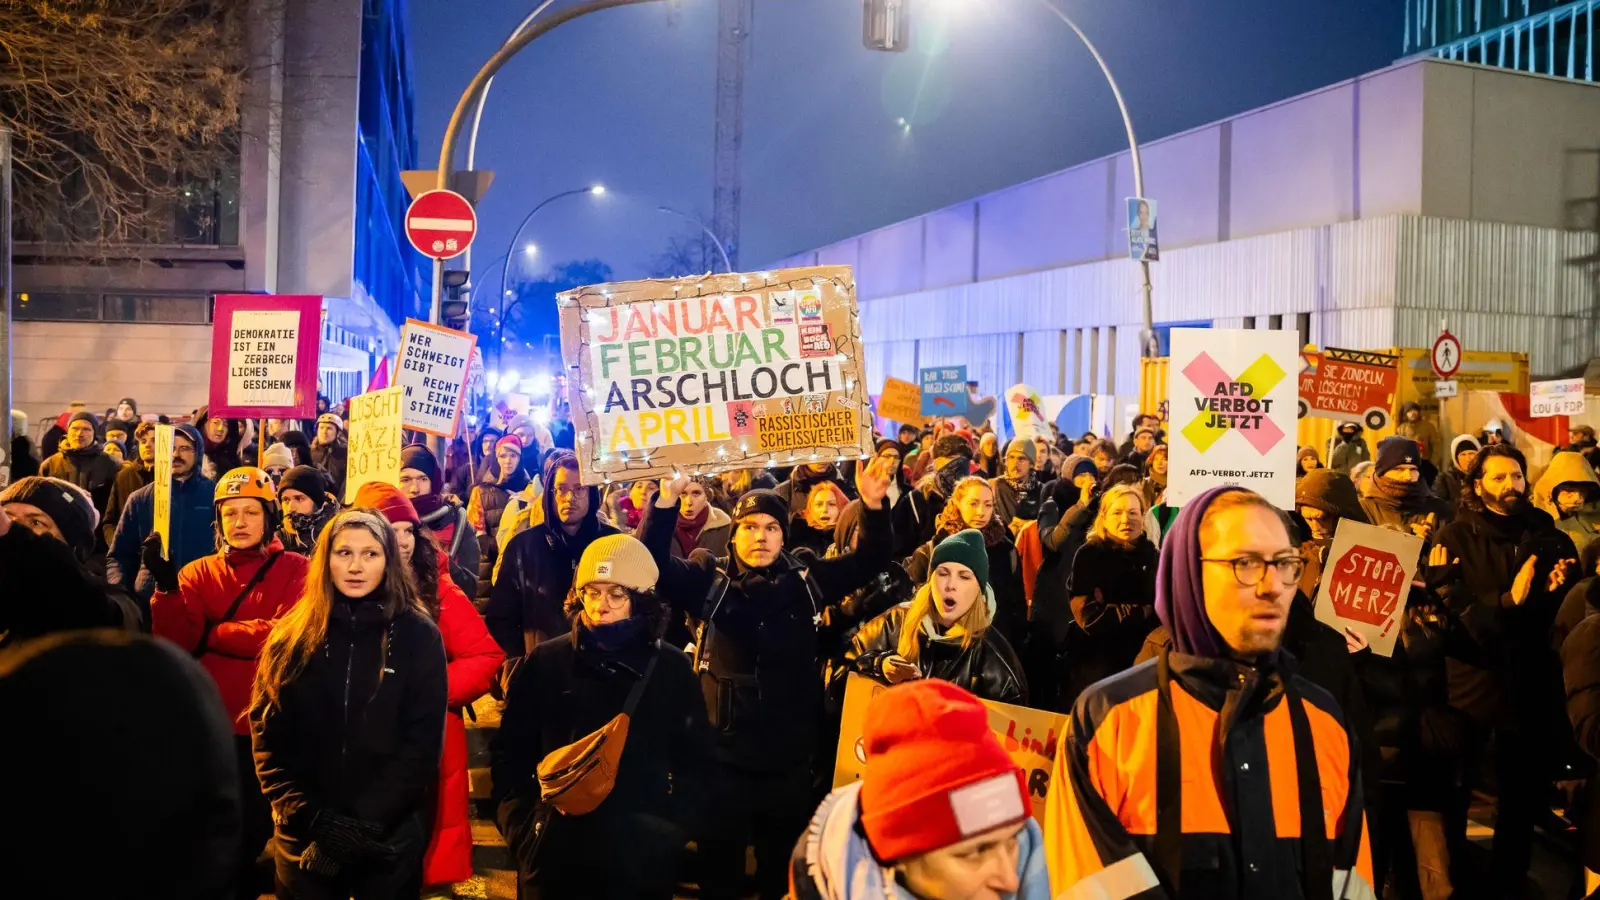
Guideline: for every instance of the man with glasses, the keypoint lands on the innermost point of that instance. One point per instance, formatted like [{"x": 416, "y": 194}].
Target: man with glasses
[
  {"x": 137, "y": 472},
  {"x": 192, "y": 530},
  {"x": 1191, "y": 775}
]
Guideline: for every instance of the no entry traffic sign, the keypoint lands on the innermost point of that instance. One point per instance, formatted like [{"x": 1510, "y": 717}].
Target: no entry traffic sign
[{"x": 441, "y": 224}]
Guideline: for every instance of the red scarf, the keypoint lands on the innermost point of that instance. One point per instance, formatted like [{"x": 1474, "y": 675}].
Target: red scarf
[{"x": 688, "y": 531}]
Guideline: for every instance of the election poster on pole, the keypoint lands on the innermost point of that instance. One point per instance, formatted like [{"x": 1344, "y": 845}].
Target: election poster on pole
[
  {"x": 1234, "y": 402},
  {"x": 1029, "y": 736},
  {"x": 716, "y": 373},
  {"x": 1365, "y": 582},
  {"x": 264, "y": 356},
  {"x": 374, "y": 451},
  {"x": 162, "y": 501},
  {"x": 432, "y": 371}
]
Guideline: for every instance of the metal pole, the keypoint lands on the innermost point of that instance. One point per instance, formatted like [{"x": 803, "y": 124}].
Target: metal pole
[
  {"x": 483, "y": 98},
  {"x": 726, "y": 265},
  {"x": 447, "y": 147},
  {"x": 505, "y": 272},
  {"x": 6, "y": 292},
  {"x": 1148, "y": 338}
]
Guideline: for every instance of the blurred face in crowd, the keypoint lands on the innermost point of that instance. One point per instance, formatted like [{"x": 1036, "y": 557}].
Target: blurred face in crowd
[
  {"x": 641, "y": 492},
  {"x": 892, "y": 454},
  {"x": 326, "y": 433},
  {"x": 405, "y": 537},
  {"x": 1570, "y": 498},
  {"x": 356, "y": 561},
  {"x": 1018, "y": 465},
  {"x": 1413, "y": 414},
  {"x": 35, "y": 520},
  {"x": 604, "y": 603},
  {"x": 125, "y": 412},
  {"x": 1310, "y": 462},
  {"x": 1158, "y": 462},
  {"x": 183, "y": 453},
  {"x": 1494, "y": 437},
  {"x": 757, "y": 540},
  {"x": 147, "y": 447},
  {"x": 322, "y": 405},
  {"x": 1240, "y": 544},
  {"x": 983, "y": 867},
  {"x": 976, "y": 505},
  {"x": 217, "y": 430},
  {"x": 296, "y": 502},
  {"x": 1465, "y": 458},
  {"x": 507, "y": 458},
  {"x": 1320, "y": 523},
  {"x": 955, "y": 589},
  {"x": 1124, "y": 518},
  {"x": 693, "y": 501},
  {"x": 818, "y": 469},
  {"x": 1082, "y": 448},
  {"x": 907, "y": 434},
  {"x": 115, "y": 452},
  {"x": 244, "y": 522},
  {"x": 1404, "y": 474},
  {"x": 1502, "y": 487},
  {"x": 487, "y": 444},
  {"x": 116, "y": 434},
  {"x": 572, "y": 498},
  {"x": 525, "y": 434},
  {"x": 822, "y": 508},
  {"x": 415, "y": 483},
  {"x": 1144, "y": 441},
  {"x": 80, "y": 434},
  {"x": 1103, "y": 461}
]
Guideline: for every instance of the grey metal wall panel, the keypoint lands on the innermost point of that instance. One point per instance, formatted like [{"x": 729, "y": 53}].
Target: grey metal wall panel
[
  {"x": 1293, "y": 164},
  {"x": 1041, "y": 361},
  {"x": 1052, "y": 221},
  {"x": 896, "y": 260},
  {"x": 951, "y": 245}
]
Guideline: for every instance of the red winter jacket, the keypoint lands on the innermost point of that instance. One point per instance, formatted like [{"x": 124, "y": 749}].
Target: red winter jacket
[
  {"x": 474, "y": 658},
  {"x": 206, "y": 588}
]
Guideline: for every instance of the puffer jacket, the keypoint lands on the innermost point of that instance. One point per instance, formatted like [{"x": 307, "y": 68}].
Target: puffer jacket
[
  {"x": 1569, "y": 467},
  {"x": 989, "y": 668},
  {"x": 206, "y": 588}
]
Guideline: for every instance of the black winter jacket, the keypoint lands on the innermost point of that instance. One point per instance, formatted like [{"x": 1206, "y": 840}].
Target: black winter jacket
[
  {"x": 528, "y": 602},
  {"x": 1005, "y": 578},
  {"x": 89, "y": 468},
  {"x": 989, "y": 668},
  {"x": 1448, "y": 488},
  {"x": 760, "y": 643},
  {"x": 359, "y": 731},
  {"x": 331, "y": 458},
  {"x": 630, "y": 844},
  {"x": 1113, "y": 590},
  {"x": 1580, "y": 669},
  {"x": 132, "y": 476}
]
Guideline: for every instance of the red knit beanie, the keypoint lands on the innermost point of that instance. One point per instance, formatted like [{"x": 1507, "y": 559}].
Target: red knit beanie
[
  {"x": 936, "y": 775},
  {"x": 511, "y": 441},
  {"x": 387, "y": 499}
]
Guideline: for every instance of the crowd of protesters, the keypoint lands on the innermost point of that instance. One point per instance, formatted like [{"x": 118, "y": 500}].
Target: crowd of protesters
[{"x": 708, "y": 625}]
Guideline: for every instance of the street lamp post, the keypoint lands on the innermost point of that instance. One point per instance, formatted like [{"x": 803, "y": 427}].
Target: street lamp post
[
  {"x": 721, "y": 250},
  {"x": 593, "y": 190}
]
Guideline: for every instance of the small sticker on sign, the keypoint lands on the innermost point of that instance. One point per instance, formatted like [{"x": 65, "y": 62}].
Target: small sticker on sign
[
  {"x": 815, "y": 342},
  {"x": 780, "y": 308},
  {"x": 810, "y": 304},
  {"x": 741, "y": 419}
]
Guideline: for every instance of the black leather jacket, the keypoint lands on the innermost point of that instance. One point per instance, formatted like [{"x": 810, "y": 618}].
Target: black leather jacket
[{"x": 989, "y": 668}]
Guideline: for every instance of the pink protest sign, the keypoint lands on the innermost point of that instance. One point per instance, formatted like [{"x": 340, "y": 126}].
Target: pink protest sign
[{"x": 264, "y": 356}]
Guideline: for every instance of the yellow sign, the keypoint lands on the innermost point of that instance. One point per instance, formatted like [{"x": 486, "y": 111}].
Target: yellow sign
[
  {"x": 163, "y": 491},
  {"x": 1030, "y": 736},
  {"x": 374, "y": 440},
  {"x": 901, "y": 401},
  {"x": 802, "y": 431}
]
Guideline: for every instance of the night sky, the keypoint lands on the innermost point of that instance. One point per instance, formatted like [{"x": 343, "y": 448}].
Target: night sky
[{"x": 996, "y": 91}]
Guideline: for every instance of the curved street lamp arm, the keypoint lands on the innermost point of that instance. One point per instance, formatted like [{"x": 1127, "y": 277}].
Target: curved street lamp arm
[{"x": 716, "y": 241}]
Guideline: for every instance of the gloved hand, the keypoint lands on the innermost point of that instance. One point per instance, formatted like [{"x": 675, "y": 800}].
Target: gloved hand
[
  {"x": 161, "y": 570},
  {"x": 318, "y": 862},
  {"x": 345, "y": 838}
]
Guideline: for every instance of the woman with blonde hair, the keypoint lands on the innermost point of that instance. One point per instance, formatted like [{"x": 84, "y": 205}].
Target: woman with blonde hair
[
  {"x": 944, "y": 632},
  {"x": 971, "y": 505},
  {"x": 347, "y": 719},
  {"x": 1113, "y": 590}
]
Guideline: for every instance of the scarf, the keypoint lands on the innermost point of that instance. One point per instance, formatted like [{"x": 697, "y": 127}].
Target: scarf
[
  {"x": 428, "y": 504},
  {"x": 1180, "y": 601},
  {"x": 612, "y": 637},
  {"x": 687, "y": 533},
  {"x": 945, "y": 479},
  {"x": 1408, "y": 496}
]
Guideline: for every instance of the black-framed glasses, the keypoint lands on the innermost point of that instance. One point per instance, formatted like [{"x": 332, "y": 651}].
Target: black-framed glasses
[
  {"x": 613, "y": 597},
  {"x": 1249, "y": 570}
]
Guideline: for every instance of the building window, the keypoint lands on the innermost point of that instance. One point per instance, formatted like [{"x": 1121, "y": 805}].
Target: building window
[
  {"x": 41, "y": 306},
  {"x": 192, "y": 310}
]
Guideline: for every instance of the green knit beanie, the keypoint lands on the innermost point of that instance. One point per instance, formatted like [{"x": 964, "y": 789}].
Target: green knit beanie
[{"x": 964, "y": 548}]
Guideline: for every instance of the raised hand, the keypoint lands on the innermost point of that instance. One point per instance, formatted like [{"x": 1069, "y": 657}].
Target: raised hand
[
  {"x": 671, "y": 489},
  {"x": 872, "y": 482},
  {"x": 1522, "y": 585}
]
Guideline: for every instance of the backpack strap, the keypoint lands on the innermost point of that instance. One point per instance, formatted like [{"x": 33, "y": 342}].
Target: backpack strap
[
  {"x": 638, "y": 687},
  {"x": 1169, "y": 781},
  {"x": 233, "y": 608}
]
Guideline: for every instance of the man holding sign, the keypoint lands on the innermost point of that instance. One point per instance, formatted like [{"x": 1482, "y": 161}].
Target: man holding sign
[{"x": 189, "y": 531}]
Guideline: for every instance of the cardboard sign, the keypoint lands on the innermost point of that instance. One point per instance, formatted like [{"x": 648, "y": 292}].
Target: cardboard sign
[
  {"x": 163, "y": 491},
  {"x": 716, "y": 373},
  {"x": 1233, "y": 412},
  {"x": 1366, "y": 580},
  {"x": 264, "y": 356},
  {"x": 944, "y": 391},
  {"x": 375, "y": 424},
  {"x": 901, "y": 402},
  {"x": 432, "y": 370},
  {"x": 1027, "y": 412},
  {"x": 1349, "y": 386},
  {"x": 1555, "y": 398},
  {"x": 1030, "y": 736}
]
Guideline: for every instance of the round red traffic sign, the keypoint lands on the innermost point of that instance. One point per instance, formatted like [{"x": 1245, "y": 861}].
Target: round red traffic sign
[
  {"x": 1366, "y": 584},
  {"x": 440, "y": 224},
  {"x": 1446, "y": 355}
]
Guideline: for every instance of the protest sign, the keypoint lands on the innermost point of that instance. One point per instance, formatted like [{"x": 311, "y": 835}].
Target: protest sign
[
  {"x": 901, "y": 402},
  {"x": 1233, "y": 412},
  {"x": 716, "y": 373},
  {"x": 1365, "y": 582},
  {"x": 432, "y": 371},
  {"x": 944, "y": 391},
  {"x": 374, "y": 448},
  {"x": 1027, "y": 412},
  {"x": 1029, "y": 735},
  {"x": 163, "y": 492},
  {"x": 1349, "y": 386},
  {"x": 264, "y": 356},
  {"x": 1555, "y": 398}
]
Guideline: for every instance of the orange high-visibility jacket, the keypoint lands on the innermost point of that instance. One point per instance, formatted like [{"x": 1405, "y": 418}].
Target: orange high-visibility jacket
[{"x": 1235, "y": 768}]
